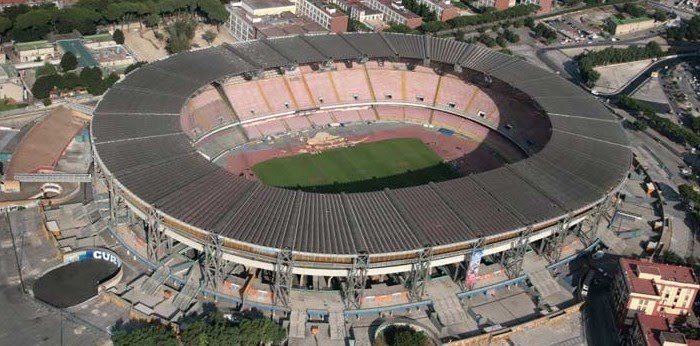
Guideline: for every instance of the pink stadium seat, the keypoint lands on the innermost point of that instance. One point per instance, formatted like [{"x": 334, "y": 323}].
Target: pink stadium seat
[
  {"x": 446, "y": 120},
  {"x": 321, "y": 87},
  {"x": 300, "y": 92},
  {"x": 207, "y": 110},
  {"x": 484, "y": 105},
  {"x": 351, "y": 84},
  {"x": 454, "y": 93},
  {"x": 367, "y": 114},
  {"x": 386, "y": 84},
  {"x": 390, "y": 112},
  {"x": 347, "y": 116},
  {"x": 421, "y": 85},
  {"x": 298, "y": 123},
  {"x": 276, "y": 94},
  {"x": 252, "y": 131},
  {"x": 271, "y": 127},
  {"x": 321, "y": 119},
  {"x": 187, "y": 122},
  {"x": 417, "y": 115},
  {"x": 246, "y": 100},
  {"x": 218, "y": 142}
]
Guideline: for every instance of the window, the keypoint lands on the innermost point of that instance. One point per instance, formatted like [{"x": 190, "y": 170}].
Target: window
[
  {"x": 388, "y": 96},
  {"x": 420, "y": 98},
  {"x": 482, "y": 114}
]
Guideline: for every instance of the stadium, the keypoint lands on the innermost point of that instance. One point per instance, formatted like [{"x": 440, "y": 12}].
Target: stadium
[{"x": 516, "y": 158}]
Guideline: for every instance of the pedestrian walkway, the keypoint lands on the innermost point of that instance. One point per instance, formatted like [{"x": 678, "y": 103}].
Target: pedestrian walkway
[{"x": 443, "y": 293}]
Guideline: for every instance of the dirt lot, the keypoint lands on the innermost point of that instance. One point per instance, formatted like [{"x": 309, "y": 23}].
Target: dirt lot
[
  {"x": 147, "y": 47},
  {"x": 613, "y": 77},
  {"x": 144, "y": 45}
]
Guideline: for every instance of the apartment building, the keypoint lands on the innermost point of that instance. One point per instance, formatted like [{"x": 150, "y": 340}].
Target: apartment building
[
  {"x": 254, "y": 19},
  {"x": 653, "y": 289},
  {"x": 395, "y": 12},
  {"x": 444, "y": 10},
  {"x": 323, "y": 13},
  {"x": 655, "y": 331},
  {"x": 499, "y": 5}
]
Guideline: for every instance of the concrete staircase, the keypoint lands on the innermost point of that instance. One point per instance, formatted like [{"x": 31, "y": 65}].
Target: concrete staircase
[
  {"x": 297, "y": 324},
  {"x": 336, "y": 320},
  {"x": 446, "y": 304}
]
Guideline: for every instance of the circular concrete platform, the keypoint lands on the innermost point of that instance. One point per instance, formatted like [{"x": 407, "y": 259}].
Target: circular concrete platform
[{"x": 75, "y": 282}]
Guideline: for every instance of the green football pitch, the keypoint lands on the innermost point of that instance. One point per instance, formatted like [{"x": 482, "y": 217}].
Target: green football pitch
[{"x": 365, "y": 167}]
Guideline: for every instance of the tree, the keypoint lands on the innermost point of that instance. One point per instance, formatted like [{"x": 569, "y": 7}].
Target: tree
[
  {"x": 689, "y": 195},
  {"x": 118, "y": 36},
  {"x": 260, "y": 331},
  {"x": 151, "y": 20},
  {"x": 403, "y": 336},
  {"x": 5, "y": 24},
  {"x": 529, "y": 22},
  {"x": 44, "y": 85},
  {"x": 434, "y": 26},
  {"x": 400, "y": 28},
  {"x": 181, "y": 34},
  {"x": 688, "y": 30},
  {"x": 209, "y": 36},
  {"x": 659, "y": 16},
  {"x": 134, "y": 66},
  {"x": 69, "y": 62},
  {"x": 46, "y": 70},
  {"x": 639, "y": 125},
  {"x": 150, "y": 334}
]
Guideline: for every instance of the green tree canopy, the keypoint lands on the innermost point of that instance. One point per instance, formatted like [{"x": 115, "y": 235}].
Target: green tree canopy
[
  {"x": 5, "y": 24},
  {"x": 209, "y": 36},
  {"x": 151, "y": 334},
  {"x": 181, "y": 34},
  {"x": 118, "y": 36},
  {"x": 261, "y": 330},
  {"x": 434, "y": 26},
  {"x": 69, "y": 62}
]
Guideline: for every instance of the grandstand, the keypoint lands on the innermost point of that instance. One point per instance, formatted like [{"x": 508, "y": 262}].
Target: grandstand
[{"x": 577, "y": 157}]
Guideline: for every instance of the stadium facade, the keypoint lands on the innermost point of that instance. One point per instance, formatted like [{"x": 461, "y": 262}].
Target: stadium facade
[{"x": 156, "y": 175}]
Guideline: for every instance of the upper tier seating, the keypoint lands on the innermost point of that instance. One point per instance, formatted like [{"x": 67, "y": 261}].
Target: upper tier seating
[
  {"x": 247, "y": 100},
  {"x": 352, "y": 84},
  {"x": 204, "y": 112}
]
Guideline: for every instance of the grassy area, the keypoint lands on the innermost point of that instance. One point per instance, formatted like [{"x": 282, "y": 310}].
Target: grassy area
[
  {"x": 6, "y": 105},
  {"x": 366, "y": 167}
]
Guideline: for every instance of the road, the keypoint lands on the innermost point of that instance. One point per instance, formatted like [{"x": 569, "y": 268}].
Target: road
[
  {"x": 598, "y": 316},
  {"x": 662, "y": 159}
]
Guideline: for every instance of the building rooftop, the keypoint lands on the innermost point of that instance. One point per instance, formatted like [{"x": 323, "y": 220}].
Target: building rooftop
[
  {"x": 23, "y": 46},
  {"x": 656, "y": 332},
  {"x": 104, "y": 37},
  {"x": 632, "y": 269},
  {"x": 328, "y": 8},
  {"x": 265, "y": 4},
  {"x": 442, "y": 3},
  {"x": 397, "y": 7}
]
